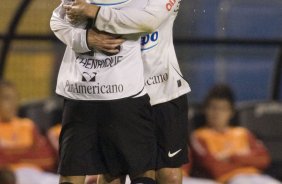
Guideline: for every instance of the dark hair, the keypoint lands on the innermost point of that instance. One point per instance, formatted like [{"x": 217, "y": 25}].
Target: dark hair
[
  {"x": 220, "y": 91},
  {"x": 7, "y": 176}
]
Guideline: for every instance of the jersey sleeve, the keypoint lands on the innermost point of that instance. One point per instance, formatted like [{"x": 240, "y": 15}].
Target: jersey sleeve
[
  {"x": 75, "y": 38},
  {"x": 133, "y": 20}
]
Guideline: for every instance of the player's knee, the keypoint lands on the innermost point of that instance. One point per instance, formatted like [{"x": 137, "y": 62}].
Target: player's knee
[
  {"x": 169, "y": 176},
  {"x": 143, "y": 180},
  {"x": 106, "y": 179},
  {"x": 171, "y": 179},
  {"x": 72, "y": 179}
]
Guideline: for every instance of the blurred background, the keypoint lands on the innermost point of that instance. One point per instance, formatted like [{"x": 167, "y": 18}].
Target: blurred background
[
  {"x": 238, "y": 42},
  {"x": 232, "y": 41}
]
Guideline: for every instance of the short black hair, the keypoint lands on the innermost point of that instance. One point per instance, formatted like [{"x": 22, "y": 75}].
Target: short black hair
[{"x": 220, "y": 91}]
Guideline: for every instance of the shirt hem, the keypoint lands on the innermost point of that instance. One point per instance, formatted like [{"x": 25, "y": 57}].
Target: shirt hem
[{"x": 169, "y": 98}]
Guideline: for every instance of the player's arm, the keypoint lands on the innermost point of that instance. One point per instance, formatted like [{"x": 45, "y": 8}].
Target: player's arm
[
  {"x": 127, "y": 20},
  {"x": 74, "y": 38},
  {"x": 79, "y": 39}
]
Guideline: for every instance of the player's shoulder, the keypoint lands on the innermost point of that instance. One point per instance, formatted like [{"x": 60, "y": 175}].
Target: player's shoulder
[
  {"x": 120, "y": 4},
  {"x": 172, "y": 5}
]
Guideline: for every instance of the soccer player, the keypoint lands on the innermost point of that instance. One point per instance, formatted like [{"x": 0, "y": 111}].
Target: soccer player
[
  {"x": 107, "y": 125},
  {"x": 163, "y": 79}
]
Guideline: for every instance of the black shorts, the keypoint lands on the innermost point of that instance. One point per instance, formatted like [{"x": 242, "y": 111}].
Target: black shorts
[
  {"x": 171, "y": 120},
  {"x": 107, "y": 137}
]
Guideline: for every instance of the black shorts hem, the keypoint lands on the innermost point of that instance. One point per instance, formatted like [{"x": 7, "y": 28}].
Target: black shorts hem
[
  {"x": 107, "y": 137},
  {"x": 173, "y": 165}
]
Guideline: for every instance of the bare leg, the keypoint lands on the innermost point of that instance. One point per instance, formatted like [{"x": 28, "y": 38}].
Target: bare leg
[
  {"x": 147, "y": 177},
  {"x": 148, "y": 174},
  {"x": 107, "y": 179},
  {"x": 169, "y": 176},
  {"x": 72, "y": 179}
]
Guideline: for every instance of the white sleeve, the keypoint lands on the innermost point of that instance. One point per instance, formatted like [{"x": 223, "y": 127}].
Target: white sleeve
[
  {"x": 73, "y": 37},
  {"x": 132, "y": 20}
]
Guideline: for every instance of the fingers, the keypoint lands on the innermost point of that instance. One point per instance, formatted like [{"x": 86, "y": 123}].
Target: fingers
[
  {"x": 105, "y": 37},
  {"x": 108, "y": 46},
  {"x": 73, "y": 15},
  {"x": 104, "y": 41},
  {"x": 112, "y": 43},
  {"x": 115, "y": 42},
  {"x": 79, "y": 1},
  {"x": 69, "y": 10},
  {"x": 72, "y": 20},
  {"x": 114, "y": 51},
  {"x": 67, "y": 7},
  {"x": 68, "y": 2}
]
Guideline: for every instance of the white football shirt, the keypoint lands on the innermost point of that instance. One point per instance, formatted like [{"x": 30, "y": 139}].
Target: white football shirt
[
  {"x": 163, "y": 78},
  {"x": 87, "y": 75}
]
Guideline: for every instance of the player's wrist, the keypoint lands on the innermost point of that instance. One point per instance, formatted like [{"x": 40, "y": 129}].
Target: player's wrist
[
  {"x": 91, "y": 11},
  {"x": 89, "y": 33}
]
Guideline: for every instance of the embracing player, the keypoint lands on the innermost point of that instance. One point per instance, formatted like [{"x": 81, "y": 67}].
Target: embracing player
[
  {"x": 107, "y": 125},
  {"x": 163, "y": 79}
]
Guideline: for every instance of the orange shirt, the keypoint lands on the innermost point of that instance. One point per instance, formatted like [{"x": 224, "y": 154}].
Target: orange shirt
[
  {"x": 16, "y": 135},
  {"x": 225, "y": 144},
  {"x": 227, "y": 153},
  {"x": 22, "y": 145}
]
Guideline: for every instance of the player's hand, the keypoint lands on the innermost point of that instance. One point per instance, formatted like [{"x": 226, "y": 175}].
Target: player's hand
[
  {"x": 80, "y": 9},
  {"x": 75, "y": 19},
  {"x": 103, "y": 41},
  {"x": 73, "y": 15}
]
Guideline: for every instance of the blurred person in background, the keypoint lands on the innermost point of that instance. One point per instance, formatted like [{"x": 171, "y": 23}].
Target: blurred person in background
[
  {"x": 228, "y": 154},
  {"x": 53, "y": 135},
  {"x": 22, "y": 148}
]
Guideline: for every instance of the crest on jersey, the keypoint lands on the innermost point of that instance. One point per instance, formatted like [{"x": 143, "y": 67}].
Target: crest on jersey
[
  {"x": 89, "y": 77},
  {"x": 108, "y": 2}
]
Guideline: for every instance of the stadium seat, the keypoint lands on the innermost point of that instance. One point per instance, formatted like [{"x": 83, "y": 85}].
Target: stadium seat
[
  {"x": 250, "y": 19},
  {"x": 264, "y": 119}
]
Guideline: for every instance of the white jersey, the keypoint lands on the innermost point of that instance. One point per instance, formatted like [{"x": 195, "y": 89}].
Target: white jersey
[
  {"x": 87, "y": 75},
  {"x": 163, "y": 78}
]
